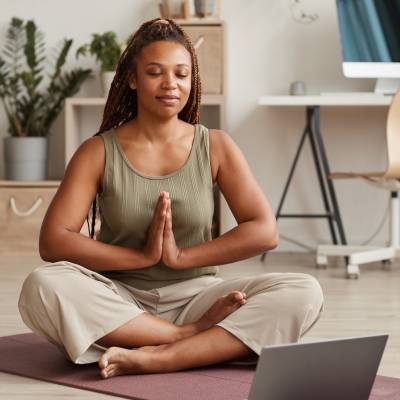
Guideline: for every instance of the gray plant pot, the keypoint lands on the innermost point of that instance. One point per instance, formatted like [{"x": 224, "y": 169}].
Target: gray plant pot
[
  {"x": 26, "y": 158},
  {"x": 199, "y": 6}
]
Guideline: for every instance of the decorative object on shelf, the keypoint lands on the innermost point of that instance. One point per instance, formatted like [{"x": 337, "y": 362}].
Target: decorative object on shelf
[
  {"x": 204, "y": 7},
  {"x": 107, "y": 51},
  {"x": 298, "y": 88},
  {"x": 30, "y": 110},
  {"x": 191, "y": 10}
]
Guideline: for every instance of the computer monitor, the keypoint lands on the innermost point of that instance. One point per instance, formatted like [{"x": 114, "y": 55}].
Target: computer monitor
[{"x": 370, "y": 38}]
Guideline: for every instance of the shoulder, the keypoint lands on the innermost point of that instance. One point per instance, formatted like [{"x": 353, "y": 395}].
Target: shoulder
[
  {"x": 89, "y": 160},
  {"x": 218, "y": 136},
  {"x": 221, "y": 144},
  {"x": 93, "y": 147},
  {"x": 224, "y": 152}
]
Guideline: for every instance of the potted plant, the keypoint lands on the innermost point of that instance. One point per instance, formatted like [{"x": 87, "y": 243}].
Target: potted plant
[
  {"x": 107, "y": 51},
  {"x": 31, "y": 106}
]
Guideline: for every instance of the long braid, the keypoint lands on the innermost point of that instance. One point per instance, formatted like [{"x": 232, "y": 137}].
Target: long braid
[{"x": 122, "y": 105}]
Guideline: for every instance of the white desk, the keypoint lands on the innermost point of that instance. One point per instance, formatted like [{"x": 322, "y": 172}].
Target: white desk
[
  {"x": 331, "y": 100},
  {"x": 313, "y": 131}
]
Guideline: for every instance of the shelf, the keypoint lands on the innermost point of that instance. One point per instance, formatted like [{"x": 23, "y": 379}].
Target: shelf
[
  {"x": 206, "y": 99},
  {"x": 46, "y": 183},
  {"x": 326, "y": 100},
  {"x": 199, "y": 21}
]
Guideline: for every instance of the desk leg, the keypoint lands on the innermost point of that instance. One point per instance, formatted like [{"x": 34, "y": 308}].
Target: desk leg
[
  {"x": 311, "y": 112},
  {"x": 318, "y": 152},
  {"x": 331, "y": 189}
]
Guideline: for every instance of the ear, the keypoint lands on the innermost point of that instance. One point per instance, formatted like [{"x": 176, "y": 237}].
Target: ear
[{"x": 132, "y": 81}]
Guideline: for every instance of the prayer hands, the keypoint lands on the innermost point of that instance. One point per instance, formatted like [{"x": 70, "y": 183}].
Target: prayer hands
[
  {"x": 170, "y": 251},
  {"x": 160, "y": 243}
]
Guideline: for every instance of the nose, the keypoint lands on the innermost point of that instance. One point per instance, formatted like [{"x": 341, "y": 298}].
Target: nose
[{"x": 169, "y": 82}]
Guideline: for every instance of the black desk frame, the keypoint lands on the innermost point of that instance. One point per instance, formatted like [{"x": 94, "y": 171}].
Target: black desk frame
[{"x": 322, "y": 168}]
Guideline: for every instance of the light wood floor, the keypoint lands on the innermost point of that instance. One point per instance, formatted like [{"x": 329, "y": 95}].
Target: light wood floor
[{"x": 368, "y": 305}]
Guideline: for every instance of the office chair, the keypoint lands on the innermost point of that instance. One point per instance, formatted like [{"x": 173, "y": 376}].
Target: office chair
[{"x": 390, "y": 180}]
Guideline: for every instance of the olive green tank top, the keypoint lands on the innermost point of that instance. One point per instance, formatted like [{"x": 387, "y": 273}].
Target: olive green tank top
[{"x": 128, "y": 200}]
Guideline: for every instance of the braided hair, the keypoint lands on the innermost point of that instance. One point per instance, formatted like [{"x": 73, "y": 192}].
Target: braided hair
[{"x": 122, "y": 104}]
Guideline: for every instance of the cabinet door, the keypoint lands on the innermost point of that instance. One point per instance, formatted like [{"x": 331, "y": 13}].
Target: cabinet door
[
  {"x": 209, "y": 54},
  {"x": 21, "y": 214}
]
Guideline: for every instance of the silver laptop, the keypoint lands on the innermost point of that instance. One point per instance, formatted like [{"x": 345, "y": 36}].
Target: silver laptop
[{"x": 339, "y": 369}]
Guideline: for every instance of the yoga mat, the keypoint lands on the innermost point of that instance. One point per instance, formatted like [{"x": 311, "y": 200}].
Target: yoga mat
[{"x": 33, "y": 357}]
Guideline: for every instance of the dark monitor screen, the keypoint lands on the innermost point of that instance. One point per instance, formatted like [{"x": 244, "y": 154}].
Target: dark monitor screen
[{"x": 370, "y": 30}]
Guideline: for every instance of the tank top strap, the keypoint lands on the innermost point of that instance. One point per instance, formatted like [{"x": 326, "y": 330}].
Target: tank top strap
[{"x": 111, "y": 158}]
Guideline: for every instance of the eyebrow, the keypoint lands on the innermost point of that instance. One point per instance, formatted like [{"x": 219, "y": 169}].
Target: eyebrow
[{"x": 160, "y": 65}]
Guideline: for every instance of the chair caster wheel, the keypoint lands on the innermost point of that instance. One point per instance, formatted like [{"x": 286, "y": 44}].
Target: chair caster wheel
[
  {"x": 387, "y": 264},
  {"x": 322, "y": 262},
  {"x": 353, "y": 271}
]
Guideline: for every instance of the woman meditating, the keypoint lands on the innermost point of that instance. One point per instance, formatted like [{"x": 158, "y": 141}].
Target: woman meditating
[{"x": 144, "y": 296}]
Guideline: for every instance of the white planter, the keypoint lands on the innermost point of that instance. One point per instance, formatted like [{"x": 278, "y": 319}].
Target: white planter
[
  {"x": 26, "y": 158},
  {"x": 106, "y": 79}
]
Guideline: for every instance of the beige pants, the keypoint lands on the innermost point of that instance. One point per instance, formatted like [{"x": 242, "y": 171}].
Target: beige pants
[{"x": 73, "y": 307}]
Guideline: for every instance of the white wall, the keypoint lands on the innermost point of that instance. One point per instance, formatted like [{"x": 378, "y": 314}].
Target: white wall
[{"x": 266, "y": 51}]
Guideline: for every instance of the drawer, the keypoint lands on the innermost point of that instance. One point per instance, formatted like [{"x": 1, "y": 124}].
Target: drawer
[
  {"x": 21, "y": 214},
  {"x": 210, "y": 56}
]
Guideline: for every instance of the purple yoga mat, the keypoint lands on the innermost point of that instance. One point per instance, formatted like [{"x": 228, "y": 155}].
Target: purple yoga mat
[{"x": 33, "y": 357}]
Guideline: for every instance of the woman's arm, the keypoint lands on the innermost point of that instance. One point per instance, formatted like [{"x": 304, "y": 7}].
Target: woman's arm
[
  {"x": 60, "y": 239},
  {"x": 257, "y": 229}
]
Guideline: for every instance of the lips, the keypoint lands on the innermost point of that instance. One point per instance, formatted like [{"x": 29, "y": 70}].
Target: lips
[{"x": 168, "y": 99}]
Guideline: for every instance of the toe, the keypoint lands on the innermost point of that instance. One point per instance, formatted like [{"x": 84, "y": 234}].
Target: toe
[
  {"x": 231, "y": 298},
  {"x": 238, "y": 296},
  {"x": 103, "y": 361},
  {"x": 111, "y": 373}
]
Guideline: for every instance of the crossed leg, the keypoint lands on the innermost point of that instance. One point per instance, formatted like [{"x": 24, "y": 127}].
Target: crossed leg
[
  {"x": 213, "y": 346},
  {"x": 161, "y": 341},
  {"x": 280, "y": 308}
]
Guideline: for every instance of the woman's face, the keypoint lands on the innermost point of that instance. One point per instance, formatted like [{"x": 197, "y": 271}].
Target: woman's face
[{"x": 163, "y": 79}]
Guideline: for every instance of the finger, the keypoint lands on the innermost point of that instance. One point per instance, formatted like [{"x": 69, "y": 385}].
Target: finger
[
  {"x": 160, "y": 202},
  {"x": 164, "y": 208},
  {"x": 160, "y": 207},
  {"x": 157, "y": 207},
  {"x": 162, "y": 217},
  {"x": 168, "y": 219}
]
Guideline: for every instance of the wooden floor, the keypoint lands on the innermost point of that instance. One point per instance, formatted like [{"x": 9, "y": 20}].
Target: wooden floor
[{"x": 368, "y": 305}]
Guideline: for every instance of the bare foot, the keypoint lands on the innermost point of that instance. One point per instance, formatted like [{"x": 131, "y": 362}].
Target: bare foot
[
  {"x": 117, "y": 361},
  {"x": 223, "y": 307},
  {"x": 150, "y": 359}
]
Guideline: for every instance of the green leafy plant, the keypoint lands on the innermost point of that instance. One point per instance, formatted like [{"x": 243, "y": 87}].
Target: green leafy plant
[
  {"x": 105, "y": 48},
  {"x": 31, "y": 111}
]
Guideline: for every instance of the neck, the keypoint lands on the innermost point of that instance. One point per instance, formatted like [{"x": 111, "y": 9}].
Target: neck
[{"x": 157, "y": 129}]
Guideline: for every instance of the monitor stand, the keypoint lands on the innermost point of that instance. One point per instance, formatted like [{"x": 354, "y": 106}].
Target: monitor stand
[{"x": 387, "y": 86}]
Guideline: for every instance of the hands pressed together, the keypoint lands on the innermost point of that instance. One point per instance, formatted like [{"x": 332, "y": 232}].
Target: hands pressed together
[{"x": 160, "y": 243}]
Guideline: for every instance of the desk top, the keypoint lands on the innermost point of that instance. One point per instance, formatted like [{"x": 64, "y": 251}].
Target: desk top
[{"x": 351, "y": 99}]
